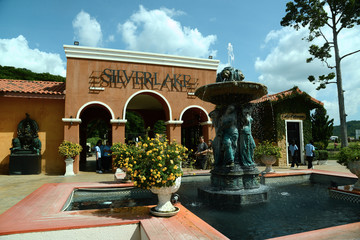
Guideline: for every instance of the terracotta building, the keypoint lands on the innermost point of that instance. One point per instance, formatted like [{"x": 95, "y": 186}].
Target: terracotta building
[{"x": 104, "y": 84}]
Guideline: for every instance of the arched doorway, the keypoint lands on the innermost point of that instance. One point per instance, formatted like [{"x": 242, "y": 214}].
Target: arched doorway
[
  {"x": 191, "y": 129},
  {"x": 151, "y": 107},
  {"x": 95, "y": 125}
]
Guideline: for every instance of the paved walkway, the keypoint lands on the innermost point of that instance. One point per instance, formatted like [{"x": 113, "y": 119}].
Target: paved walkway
[{"x": 14, "y": 188}]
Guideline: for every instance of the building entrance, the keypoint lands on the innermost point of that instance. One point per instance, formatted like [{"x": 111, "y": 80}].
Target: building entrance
[
  {"x": 145, "y": 110},
  {"x": 294, "y": 133},
  {"x": 191, "y": 129},
  {"x": 95, "y": 125}
]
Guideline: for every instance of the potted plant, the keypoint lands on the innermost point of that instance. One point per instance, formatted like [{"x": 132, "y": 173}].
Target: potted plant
[
  {"x": 69, "y": 150},
  {"x": 268, "y": 153},
  {"x": 124, "y": 155},
  {"x": 154, "y": 164},
  {"x": 350, "y": 157}
]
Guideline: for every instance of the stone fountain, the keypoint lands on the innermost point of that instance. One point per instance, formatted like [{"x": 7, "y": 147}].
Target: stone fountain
[{"x": 235, "y": 178}]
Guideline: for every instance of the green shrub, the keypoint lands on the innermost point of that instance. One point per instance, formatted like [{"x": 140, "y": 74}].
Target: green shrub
[
  {"x": 320, "y": 145},
  {"x": 321, "y": 155},
  {"x": 348, "y": 154}
]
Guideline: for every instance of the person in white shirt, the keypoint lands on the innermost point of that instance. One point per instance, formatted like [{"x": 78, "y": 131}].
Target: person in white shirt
[
  {"x": 309, "y": 151},
  {"x": 98, "y": 157},
  {"x": 293, "y": 154}
]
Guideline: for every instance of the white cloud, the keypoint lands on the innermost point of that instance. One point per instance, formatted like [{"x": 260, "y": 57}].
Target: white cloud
[
  {"x": 16, "y": 52},
  {"x": 285, "y": 66},
  {"x": 87, "y": 30},
  {"x": 157, "y": 31},
  {"x": 111, "y": 38}
]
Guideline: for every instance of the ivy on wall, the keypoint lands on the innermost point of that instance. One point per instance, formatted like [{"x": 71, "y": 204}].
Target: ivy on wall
[{"x": 271, "y": 126}]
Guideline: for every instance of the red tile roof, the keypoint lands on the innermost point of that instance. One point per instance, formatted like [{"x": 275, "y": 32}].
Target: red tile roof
[
  {"x": 32, "y": 87},
  {"x": 278, "y": 96}
]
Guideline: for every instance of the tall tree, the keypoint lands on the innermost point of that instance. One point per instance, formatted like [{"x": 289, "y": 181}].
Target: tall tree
[
  {"x": 316, "y": 15},
  {"x": 322, "y": 127}
]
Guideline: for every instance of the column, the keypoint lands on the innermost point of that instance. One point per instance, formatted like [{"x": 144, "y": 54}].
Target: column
[
  {"x": 118, "y": 130},
  {"x": 71, "y": 133},
  {"x": 207, "y": 131},
  {"x": 173, "y": 130}
]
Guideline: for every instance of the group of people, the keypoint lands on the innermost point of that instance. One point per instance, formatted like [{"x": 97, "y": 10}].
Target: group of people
[
  {"x": 103, "y": 157},
  {"x": 204, "y": 155},
  {"x": 294, "y": 154}
]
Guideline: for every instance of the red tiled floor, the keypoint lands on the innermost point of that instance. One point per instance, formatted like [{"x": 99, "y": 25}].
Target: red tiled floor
[{"x": 41, "y": 211}]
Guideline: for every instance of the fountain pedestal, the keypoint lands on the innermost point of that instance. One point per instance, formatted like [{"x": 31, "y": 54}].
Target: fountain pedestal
[
  {"x": 231, "y": 187},
  {"x": 243, "y": 197},
  {"x": 237, "y": 178}
]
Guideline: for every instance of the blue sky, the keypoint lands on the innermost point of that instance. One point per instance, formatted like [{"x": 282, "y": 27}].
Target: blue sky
[{"x": 32, "y": 35}]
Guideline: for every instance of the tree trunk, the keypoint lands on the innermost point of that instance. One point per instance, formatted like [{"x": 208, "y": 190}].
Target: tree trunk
[{"x": 343, "y": 129}]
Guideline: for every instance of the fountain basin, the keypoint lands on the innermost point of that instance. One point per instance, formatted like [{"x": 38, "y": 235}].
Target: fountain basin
[
  {"x": 225, "y": 93},
  {"x": 291, "y": 208},
  {"x": 101, "y": 198},
  {"x": 243, "y": 197}
]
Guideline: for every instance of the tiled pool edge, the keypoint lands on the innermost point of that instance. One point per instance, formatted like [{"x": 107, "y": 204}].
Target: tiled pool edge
[
  {"x": 41, "y": 211},
  {"x": 53, "y": 219}
]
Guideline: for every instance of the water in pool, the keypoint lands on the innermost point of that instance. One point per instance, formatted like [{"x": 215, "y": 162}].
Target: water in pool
[{"x": 291, "y": 209}]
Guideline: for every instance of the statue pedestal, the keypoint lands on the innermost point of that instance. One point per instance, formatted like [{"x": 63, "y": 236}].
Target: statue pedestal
[
  {"x": 236, "y": 178},
  {"x": 236, "y": 186},
  {"x": 24, "y": 164},
  {"x": 69, "y": 171},
  {"x": 243, "y": 197},
  {"x": 226, "y": 179}
]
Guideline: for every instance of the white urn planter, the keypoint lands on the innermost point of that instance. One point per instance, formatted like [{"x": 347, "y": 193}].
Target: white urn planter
[
  {"x": 354, "y": 168},
  {"x": 268, "y": 161},
  {"x": 164, "y": 207},
  {"x": 69, "y": 170}
]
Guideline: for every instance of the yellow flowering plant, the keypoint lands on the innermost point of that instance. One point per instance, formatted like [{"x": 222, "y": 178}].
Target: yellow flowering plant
[
  {"x": 153, "y": 162},
  {"x": 69, "y": 149}
]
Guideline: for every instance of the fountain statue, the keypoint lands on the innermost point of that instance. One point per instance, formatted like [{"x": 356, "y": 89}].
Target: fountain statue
[
  {"x": 25, "y": 157},
  {"x": 234, "y": 178}
]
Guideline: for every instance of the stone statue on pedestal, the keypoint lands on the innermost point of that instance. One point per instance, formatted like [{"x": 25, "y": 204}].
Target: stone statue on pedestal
[
  {"x": 27, "y": 140},
  {"x": 25, "y": 157}
]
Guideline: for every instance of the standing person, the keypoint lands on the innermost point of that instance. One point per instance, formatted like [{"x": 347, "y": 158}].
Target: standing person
[
  {"x": 309, "y": 151},
  {"x": 98, "y": 157},
  {"x": 106, "y": 159},
  {"x": 209, "y": 156},
  {"x": 201, "y": 153},
  {"x": 293, "y": 154}
]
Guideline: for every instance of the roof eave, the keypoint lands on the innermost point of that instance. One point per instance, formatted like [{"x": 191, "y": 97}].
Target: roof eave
[{"x": 32, "y": 95}]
